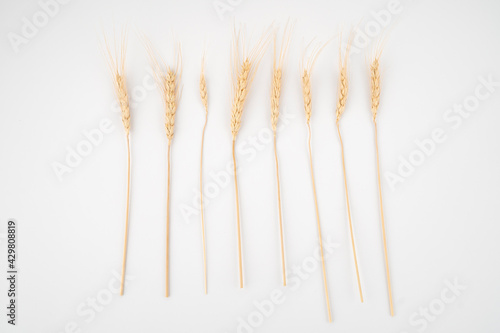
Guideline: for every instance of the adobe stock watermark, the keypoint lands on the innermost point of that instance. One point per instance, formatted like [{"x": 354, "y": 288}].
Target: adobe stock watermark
[
  {"x": 87, "y": 310},
  {"x": 422, "y": 318},
  {"x": 225, "y": 6},
  {"x": 378, "y": 22},
  {"x": 31, "y": 26},
  {"x": 453, "y": 118},
  {"x": 265, "y": 308},
  {"x": 75, "y": 154},
  {"x": 93, "y": 138},
  {"x": 217, "y": 181}
]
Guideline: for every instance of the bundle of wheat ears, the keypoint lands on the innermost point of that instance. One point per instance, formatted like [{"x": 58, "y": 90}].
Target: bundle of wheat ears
[
  {"x": 245, "y": 62},
  {"x": 116, "y": 62},
  {"x": 167, "y": 79}
]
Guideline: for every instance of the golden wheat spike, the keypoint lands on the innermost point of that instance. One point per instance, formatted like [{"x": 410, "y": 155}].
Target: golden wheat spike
[
  {"x": 204, "y": 100},
  {"x": 116, "y": 64},
  {"x": 167, "y": 79},
  {"x": 306, "y": 69},
  {"x": 244, "y": 67},
  {"x": 342, "y": 98},
  {"x": 375, "y": 99},
  {"x": 275, "y": 110},
  {"x": 374, "y": 86}
]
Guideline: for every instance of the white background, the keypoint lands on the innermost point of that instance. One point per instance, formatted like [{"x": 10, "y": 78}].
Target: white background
[{"x": 442, "y": 220}]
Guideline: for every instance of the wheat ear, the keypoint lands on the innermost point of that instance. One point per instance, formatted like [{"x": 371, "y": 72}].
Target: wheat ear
[
  {"x": 375, "y": 99},
  {"x": 342, "y": 98},
  {"x": 204, "y": 101},
  {"x": 244, "y": 67},
  {"x": 116, "y": 64},
  {"x": 167, "y": 79},
  {"x": 275, "y": 110},
  {"x": 374, "y": 86},
  {"x": 306, "y": 69}
]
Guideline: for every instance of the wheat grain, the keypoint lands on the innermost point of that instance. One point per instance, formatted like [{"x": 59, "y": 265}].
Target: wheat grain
[
  {"x": 275, "y": 98},
  {"x": 278, "y": 61},
  {"x": 203, "y": 88},
  {"x": 374, "y": 86},
  {"x": 170, "y": 102},
  {"x": 116, "y": 64},
  {"x": 121, "y": 91},
  {"x": 306, "y": 92},
  {"x": 240, "y": 97},
  {"x": 167, "y": 79},
  {"x": 306, "y": 79},
  {"x": 343, "y": 88}
]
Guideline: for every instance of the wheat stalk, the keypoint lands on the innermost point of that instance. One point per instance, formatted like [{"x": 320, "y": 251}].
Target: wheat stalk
[
  {"x": 306, "y": 69},
  {"x": 341, "y": 102},
  {"x": 275, "y": 110},
  {"x": 244, "y": 68},
  {"x": 375, "y": 99},
  {"x": 204, "y": 100},
  {"x": 167, "y": 79},
  {"x": 116, "y": 64}
]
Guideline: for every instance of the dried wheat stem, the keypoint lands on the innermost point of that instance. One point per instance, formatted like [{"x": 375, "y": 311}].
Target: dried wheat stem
[
  {"x": 204, "y": 100},
  {"x": 238, "y": 223},
  {"x": 349, "y": 215},
  {"x": 167, "y": 264},
  {"x": 375, "y": 98},
  {"x": 283, "y": 266},
  {"x": 124, "y": 262},
  {"x": 116, "y": 64},
  {"x": 342, "y": 98},
  {"x": 306, "y": 91},
  {"x": 319, "y": 225},
  {"x": 244, "y": 68}
]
